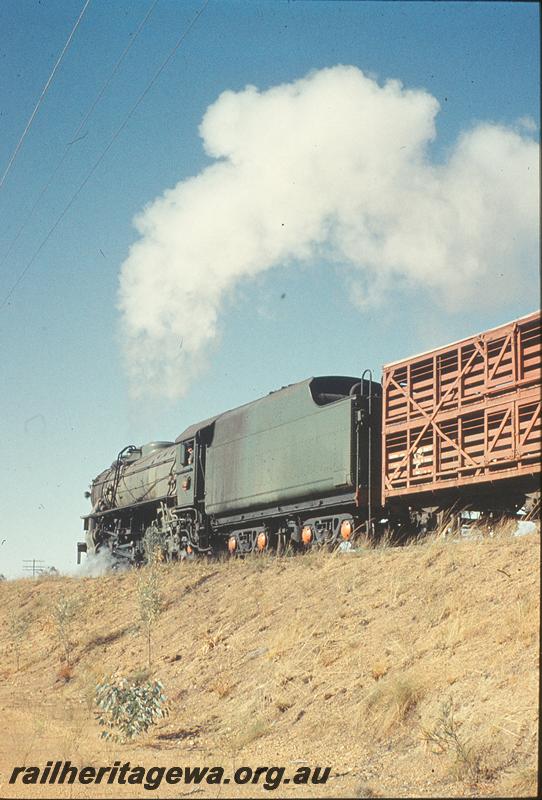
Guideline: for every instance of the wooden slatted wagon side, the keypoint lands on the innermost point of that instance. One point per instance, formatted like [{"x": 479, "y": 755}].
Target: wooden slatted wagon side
[{"x": 461, "y": 424}]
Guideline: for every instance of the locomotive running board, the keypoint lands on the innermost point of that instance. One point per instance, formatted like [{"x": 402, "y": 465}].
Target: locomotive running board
[{"x": 95, "y": 514}]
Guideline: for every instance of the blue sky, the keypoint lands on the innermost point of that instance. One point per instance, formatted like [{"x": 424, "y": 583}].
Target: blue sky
[{"x": 67, "y": 403}]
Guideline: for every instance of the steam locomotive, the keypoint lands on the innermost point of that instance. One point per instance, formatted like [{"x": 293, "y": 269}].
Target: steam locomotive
[{"x": 318, "y": 461}]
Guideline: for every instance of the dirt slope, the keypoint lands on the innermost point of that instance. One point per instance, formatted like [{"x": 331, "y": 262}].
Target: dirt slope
[{"x": 410, "y": 671}]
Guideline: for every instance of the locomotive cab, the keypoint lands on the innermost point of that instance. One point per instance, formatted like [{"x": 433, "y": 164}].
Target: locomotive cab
[{"x": 185, "y": 460}]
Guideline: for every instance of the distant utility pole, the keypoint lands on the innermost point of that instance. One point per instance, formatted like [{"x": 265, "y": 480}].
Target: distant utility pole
[{"x": 33, "y": 565}]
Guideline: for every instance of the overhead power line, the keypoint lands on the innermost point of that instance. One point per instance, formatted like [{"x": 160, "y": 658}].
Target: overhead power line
[
  {"x": 76, "y": 136},
  {"x": 97, "y": 163},
  {"x": 42, "y": 95}
]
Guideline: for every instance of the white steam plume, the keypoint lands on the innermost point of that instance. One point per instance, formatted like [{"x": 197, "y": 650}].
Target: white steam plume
[
  {"x": 332, "y": 166},
  {"x": 95, "y": 564}
]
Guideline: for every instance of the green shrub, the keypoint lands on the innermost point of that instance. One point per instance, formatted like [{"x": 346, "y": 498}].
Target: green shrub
[
  {"x": 445, "y": 736},
  {"x": 150, "y": 601},
  {"x": 19, "y": 627},
  {"x": 128, "y": 708},
  {"x": 64, "y": 615}
]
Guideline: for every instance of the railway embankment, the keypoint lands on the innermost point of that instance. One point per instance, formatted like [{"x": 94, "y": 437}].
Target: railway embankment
[{"x": 409, "y": 671}]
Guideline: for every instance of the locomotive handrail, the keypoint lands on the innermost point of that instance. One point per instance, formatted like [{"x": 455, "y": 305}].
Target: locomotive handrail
[
  {"x": 369, "y": 426},
  {"x": 130, "y": 448}
]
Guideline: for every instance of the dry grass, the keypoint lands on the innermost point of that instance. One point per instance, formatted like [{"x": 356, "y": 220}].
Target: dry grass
[
  {"x": 223, "y": 686},
  {"x": 379, "y": 669},
  {"x": 469, "y": 759},
  {"x": 391, "y": 702},
  {"x": 323, "y": 659},
  {"x": 522, "y": 783},
  {"x": 364, "y": 789},
  {"x": 65, "y": 673}
]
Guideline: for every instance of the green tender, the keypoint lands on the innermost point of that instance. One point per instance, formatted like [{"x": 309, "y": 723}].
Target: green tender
[{"x": 279, "y": 449}]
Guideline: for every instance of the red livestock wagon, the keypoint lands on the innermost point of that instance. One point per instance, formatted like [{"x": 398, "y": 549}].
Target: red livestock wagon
[{"x": 462, "y": 423}]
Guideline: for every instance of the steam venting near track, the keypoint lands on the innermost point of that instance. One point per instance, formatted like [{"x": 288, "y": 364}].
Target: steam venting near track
[
  {"x": 96, "y": 564},
  {"x": 334, "y": 166}
]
